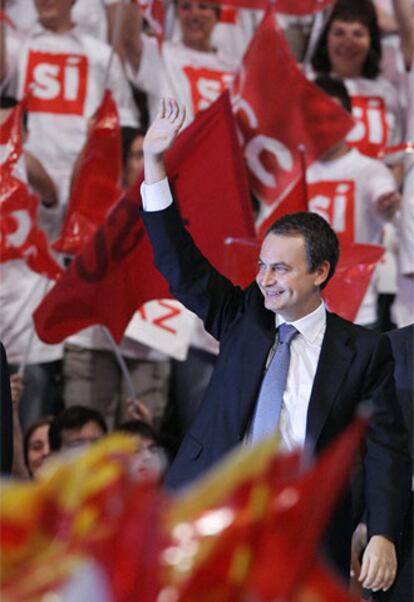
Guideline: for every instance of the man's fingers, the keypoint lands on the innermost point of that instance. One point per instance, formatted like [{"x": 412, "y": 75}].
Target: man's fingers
[
  {"x": 181, "y": 117},
  {"x": 161, "y": 109}
]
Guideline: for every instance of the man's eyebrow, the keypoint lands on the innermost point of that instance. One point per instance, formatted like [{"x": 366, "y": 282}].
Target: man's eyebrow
[{"x": 273, "y": 265}]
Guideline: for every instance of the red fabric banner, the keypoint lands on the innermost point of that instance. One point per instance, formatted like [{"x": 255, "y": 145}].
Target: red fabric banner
[
  {"x": 4, "y": 17},
  {"x": 97, "y": 182},
  {"x": 153, "y": 12},
  {"x": 20, "y": 238},
  {"x": 345, "y": 291},
  {"x": 285, "y": 121},
  {"x": 11, "y": 135},
  {"x": 295, "y": 200},
  {"x": 270, "y": 531},
  {"x": 288, "y": 7},
  {"x": 114, "y": 274},
  {"x": 356, "y": 265}
]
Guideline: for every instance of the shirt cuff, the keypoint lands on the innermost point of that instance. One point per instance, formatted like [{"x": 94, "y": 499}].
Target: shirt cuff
[{"x": 156, "y": 197}]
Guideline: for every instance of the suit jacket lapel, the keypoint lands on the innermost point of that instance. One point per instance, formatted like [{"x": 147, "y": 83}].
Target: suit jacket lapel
[{"x": 334, "y": 360}]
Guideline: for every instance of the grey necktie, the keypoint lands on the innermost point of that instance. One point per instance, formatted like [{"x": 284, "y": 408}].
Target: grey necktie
[{"x": 269, "y": 402}]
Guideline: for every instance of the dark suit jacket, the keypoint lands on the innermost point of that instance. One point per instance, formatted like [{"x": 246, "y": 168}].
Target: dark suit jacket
[
  {"x": 6, "y": 418},
  {"x": 402, "y": 342},
  {"x": 355, "y": 366}
]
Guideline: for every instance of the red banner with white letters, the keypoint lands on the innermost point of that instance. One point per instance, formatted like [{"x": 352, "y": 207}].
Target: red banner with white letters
[
  {"x": 285, "y": 121},
  {"x": 56, "y": 82},
  {"x": 370, "y": 134},
  {"x": 20, "y": 238},
  {"x": 97, "y": 181},
  {"x": 335, "y": 202}
]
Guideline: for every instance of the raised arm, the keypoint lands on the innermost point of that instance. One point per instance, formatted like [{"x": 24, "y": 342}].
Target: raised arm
[
  {"x": 405, "y": 19},
  {"x": 129, "y": 46},
  {"x": 159, "y": 138}
]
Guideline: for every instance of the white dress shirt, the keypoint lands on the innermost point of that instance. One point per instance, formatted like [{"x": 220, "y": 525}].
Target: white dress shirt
[
  {"x": 305, "y": 349},
  {"x": 156, "y": 197}
]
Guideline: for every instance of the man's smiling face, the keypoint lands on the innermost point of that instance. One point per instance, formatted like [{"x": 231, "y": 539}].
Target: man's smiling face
[{"x": 288, "y": 286}]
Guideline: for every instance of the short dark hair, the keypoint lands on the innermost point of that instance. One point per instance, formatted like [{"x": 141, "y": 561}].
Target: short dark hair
[
  {"x": 9, "y": 102},
  {"x": 128, "y": 135},
  {"x": 138, "y": 427},
  {"x": 215, "y": 7},
  {"x": 335, "y": 87},
  {"x": 321, "y": 242},
  {"x": 362, "y": 11},
  {"x": 74, "y": 417},
  {"x": 32, "y": 428}
]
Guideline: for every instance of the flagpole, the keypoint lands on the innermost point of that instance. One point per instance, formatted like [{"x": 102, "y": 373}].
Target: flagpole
[
  {"x": 121, "y": 362},
  {"x": 302, "y": 158},
  {"x": 28, "y": 348},
  {"x": 114, "y": 40}
]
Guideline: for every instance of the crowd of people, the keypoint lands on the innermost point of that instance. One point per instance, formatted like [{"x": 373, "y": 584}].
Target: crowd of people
[{"x": 60, "y": 56}]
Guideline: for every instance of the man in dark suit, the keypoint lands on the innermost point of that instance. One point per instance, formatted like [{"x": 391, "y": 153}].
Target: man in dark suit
[
  {"x": 334, "y": 365},
  {"x": 402, "y": 343}
]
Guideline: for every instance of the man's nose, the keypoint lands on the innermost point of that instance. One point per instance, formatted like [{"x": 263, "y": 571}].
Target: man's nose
[{"x": 267, "y": 277}]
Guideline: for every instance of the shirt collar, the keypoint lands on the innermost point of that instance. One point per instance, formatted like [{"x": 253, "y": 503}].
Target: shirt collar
[
  {"x": 39, "y": 30},
  {"x": 311, "y": 325}
]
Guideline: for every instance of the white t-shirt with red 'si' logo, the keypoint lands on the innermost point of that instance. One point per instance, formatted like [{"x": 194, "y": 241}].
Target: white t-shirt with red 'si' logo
[
  {"x": 196, "y": 79},
  {"x": 65, "y": 75},
  {"x": 345, "y": 192}
]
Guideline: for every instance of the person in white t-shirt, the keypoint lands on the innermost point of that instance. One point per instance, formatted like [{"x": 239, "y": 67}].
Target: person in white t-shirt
[
  {"x": 350, "y": 48},
  {"x": 65, "y": 72},
  {"x": 392, "y": 63},
  {"x": 21, "y": 290},
  {"x": 355, "y": 194},
  {"x": 190, "y": 70},
  {"x": 95, "y": 17},
  {"x": 403, "y": 308}
]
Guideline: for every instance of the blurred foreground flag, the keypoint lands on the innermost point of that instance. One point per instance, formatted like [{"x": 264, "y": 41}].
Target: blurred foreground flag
[{"x": 251, "y": 529}]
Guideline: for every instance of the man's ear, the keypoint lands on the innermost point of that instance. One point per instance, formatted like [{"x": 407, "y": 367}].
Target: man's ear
[{"x": 322, "y": 272}]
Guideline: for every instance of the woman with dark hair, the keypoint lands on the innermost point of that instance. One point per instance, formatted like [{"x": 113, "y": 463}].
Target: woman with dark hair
[
  {"x": 36, "y": 445},
  {"x": 350, "y": 48}
]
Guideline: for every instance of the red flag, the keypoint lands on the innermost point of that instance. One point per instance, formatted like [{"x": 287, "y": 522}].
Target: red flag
[
  {"x": 11, "y": 135},
  {"x": 4, "y": 17},
  {"x": 321, "y": 586},
  {"x": 279, "y": 112},
  {"x": 114, "y": 274},
  {"x": 295, "y": 200},
  {"x": 97, "y": 182},
  {"x": 289, "y": 7},
  {"x": 153, "y": 12},
  {"x": 346, "y": 290},
  {"x": 20, "y": 238},
  {"x": 268, "y": 531}
]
